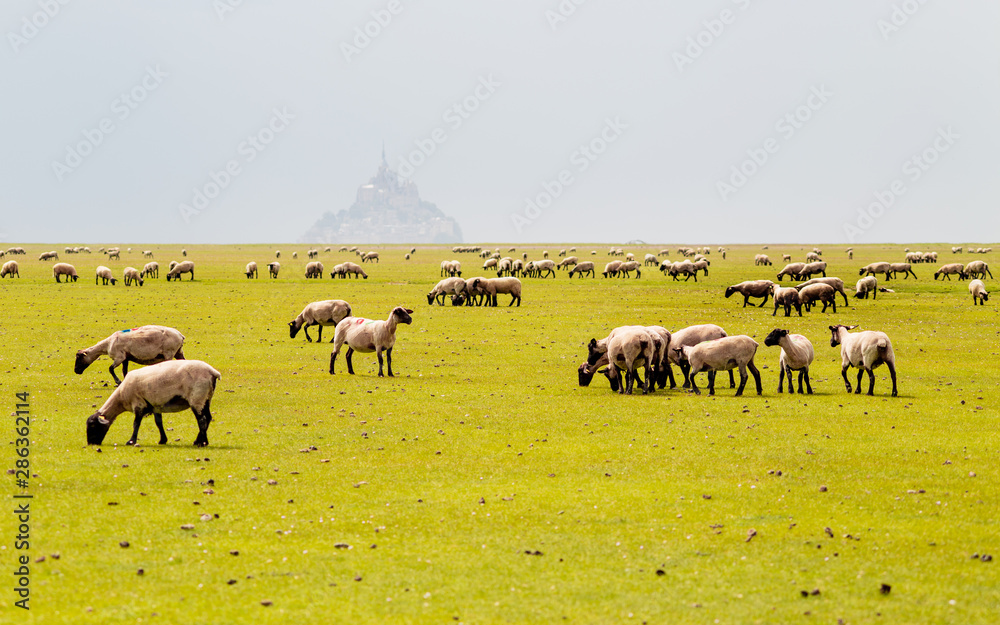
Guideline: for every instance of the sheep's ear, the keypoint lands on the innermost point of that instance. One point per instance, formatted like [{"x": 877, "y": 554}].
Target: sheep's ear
[
  {"x": 408, "y": 311},
  {"x": 592, "y": 343},
  {"x": 850, "y": 327},
  {"x": 833, "y": 328}
]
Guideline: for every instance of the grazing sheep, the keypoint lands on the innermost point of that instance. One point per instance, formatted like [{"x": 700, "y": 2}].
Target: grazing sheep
[
  {"x": 277, "y": 254},
  {"x": 370, "y": 257},
  {"x": 494, "y": 286},
  {"x": 723, "y": 354},
  {"x": 64, "y": 269},
  {"x": 147, "y": 253},
  {"x": 562, "y": 253},
  {"x": 10, "y": 268},
  {"x": 327, "y": 248},
  {"x": 314, "y": 269},
  {"x": 812, "y": 269},
  {"x": 630, "y": 266},
  {"x": 866, "y": 351},
  {"x": 413, "y": 250},
  {"x": 701, "y": 265},
  {"x": 914, "y": 257},
  {"x": 544, "y": 268},
  {"x": 171, "y": 386},
  {"x": 475, "y": 292},
  {"x": 491, "y": 263},
  {"x": 451, "y": 268},
  {"x": 132, "y": 276},
  {"x": 875, "y": 268},
  {"x": 786, "y": 258},
  {"x": 627, "y": 348},
  {"x": 173, "y": 264},
  {"x": 251, "y": 270},
  {"x": 448, "y": 286},
  {"x": 692, "y": 335},
  {"x": 792, "y": 269},
  {"x": 956, "y": 250},
  {"x": 651, "y": 261},
  {"x": 367, "y": 336},
  {"x": 813, "y": 256},
  {"x": 836, "y": 283},
  {"x": 951, "y": 269},
  {"x": 598, "y": 355},
  {"x": 311, "y": 253},
  {"x": 115, "y": 254},
  {"x": 818, "y": 292},
  {"x": 324, "y": 313},
  {"x": 930, "y": 257},
  {"x": 978, "y": 269},
  {"x": 545, "y": 254},
  {"x": 151, "y": 269},
  {"x": 787, "y": 298},
  {"x": 274, "y": 268},
  {"x": 751, "y": 288},
  {"x": 796, "y": 355},
  {"x": 295, "y": 255},
  {"x": 406, "y": 257},
  {"x": 49, "y": 256},
  {"x": 354, "y": 270},
  {"x": 611, "y": 269},
  {"x": 566, "y": 263},
  {"x": 762, "y": 259},
  {"x": 581, "y": 269},
  {"x": 103, "y": 273},
  {"x": 181, "y": 268},
  {"x": 850, "y": 253},
  {"x": 183, "y": 252},
  {"x": 979, "y": 294},
  {"x": 685, "y": 267},
  {"x": 866, "y": 285},
  {"x": 904, "y": 268},
  {"x": 145, "y": 345}
]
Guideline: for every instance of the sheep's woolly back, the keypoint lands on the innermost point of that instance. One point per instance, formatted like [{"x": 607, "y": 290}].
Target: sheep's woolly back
[
  {"x": 693, "y": 335},
  {"x": 721, "y": 354},
  {"x": 159, "y": 385}
]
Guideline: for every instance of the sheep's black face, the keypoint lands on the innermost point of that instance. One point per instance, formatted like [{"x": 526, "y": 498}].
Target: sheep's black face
[
  {"x": 293, "y": 329},
  {"x": 97, "y": 429},
  {"x": 430, "y": 298},
  {"x": 592, "y": 354},
  {"x": 835, "y": 339},
  {"x": 584, "y": 375},
  {"x": 457, "y": 300},
  {"x": 774, "y": 337},
  {"x": 730, "y": 291},
  {"x": 402, "y": 314},
  {"x": 680, "y": 355},
  {"x": 81, "y": 363},
  {"x": 861, "y": 272},
  {"x": 615, "y": 382}
]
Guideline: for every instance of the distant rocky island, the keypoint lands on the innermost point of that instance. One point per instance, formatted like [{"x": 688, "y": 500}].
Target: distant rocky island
[{"x": 386, "y": 210}]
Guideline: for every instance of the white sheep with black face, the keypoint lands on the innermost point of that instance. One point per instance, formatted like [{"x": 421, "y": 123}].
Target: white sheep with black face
[
  {"x": 180, "y": 269},
  {"x": 104, "y": 273},
  {"x": 367, "y": 336},
  {"x": 273, "y": 269},
  {"x": 145, "y": 345},
  {"x": 448, "y": 286},
  {"x": 151, "y": 269},
  {"x": 978, "y": 269},
  {"x": 979, "y": 294},
  {"x": 866, "y": 351},
  {"x": 786, "y": 298},
  {"x": 722, "y": 354},
  {"x": 64, "y": 269},
  {"x": 582, "y": 269},
  {"x": 866, "y": 285},
  {"x": 323, "y": 313},
  {"x": 132, "y": 277},
  {"x": 796, "y": 355},
  {"x": 251, "y": 270},
  {"x": 10, "y": 268},
  {"x": 751, "y": 288}
]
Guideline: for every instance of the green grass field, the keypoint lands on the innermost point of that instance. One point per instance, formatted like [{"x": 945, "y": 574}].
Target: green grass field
[{"x": 482, "y": 484}]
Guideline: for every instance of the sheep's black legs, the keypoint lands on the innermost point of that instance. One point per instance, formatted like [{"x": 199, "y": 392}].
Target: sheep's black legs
[
  {"x": 756, "y": 377},
  {"x": 802, "y": 373},
  {"x": 764, "y": 302},
  {"x": 158, "y": 419},
  {"x": 319, "y": 337},
  {"x": 847, "y": 383},
  {"x": 844, "y": 293},
  {"x": 112, "y": 370},
  {"x": 711, "y": 382},
  {"x": 135, "y": 429},
  {"x": 861, "y": 373},
  {"x": 871, "y": 382},
  {"x": 892, "y": 372},
  {"x": 350, "y": 365},
  {"x": 686, "y": 370},
  {"x": 204, "y": 419},
  {"x": 694, "y": 387},
  {"x": 388, "y": 361},
  {"x": 670, "y": 376},
  {"x": 743, "y": 381},
  {"x": 379, "y": 355},
  {"x": 781, "y": 379},
  {"x": 732, "y": 380},
  {"x": 809, "y": 387},
  {"x": 333, "y": 359}
]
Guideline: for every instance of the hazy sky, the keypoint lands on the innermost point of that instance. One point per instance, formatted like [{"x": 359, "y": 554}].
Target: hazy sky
[{"x": 719, "y": 121}]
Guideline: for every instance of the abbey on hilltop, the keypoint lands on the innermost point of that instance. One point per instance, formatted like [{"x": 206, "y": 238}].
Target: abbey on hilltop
[{"x": 386, "y": 210}]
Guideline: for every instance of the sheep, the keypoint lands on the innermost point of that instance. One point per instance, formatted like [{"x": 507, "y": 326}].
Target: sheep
[
  {"x": 930, "y": 257},
  {"x": 701, "y": 265},
  {"x": 406, "y": 257},
  {"x": 453, "y": 286},
  {"x": 722, "y": 354},
  {"x": 630, "y": 266},
  {"x": 904, "y": 268},
  {"x": 475, "y": 292},
  {"x": 792, "y": 269},
  {"x": 251, "y": 270},
  {"x": 694, "y": 335},
  {"x": 866, "y": 285},
  {"x": 762, "y": 259},
  {"x": 147, "y": 253},
  {"x": 813, "y": 268},
  {"x": 786, "y": 297},
  {"x": 451, "y": 268},
  {"x": 413, "y": 250},
  {"x": 184, "y": 252},
  {"x": 951, "y": 269},
  {"x": 787, "y": 258},
  {"x": 836, "y": 283},
  {"x": 173, "y": 264},
  {"x": 956, "y": 250},
  {"x": 277, "y": 254},
  {"x": 354, "y": 270},
  {"x": 339, "y": 271},
  {"x": 132, "y": 276},
  {"x": 103, "y": 273},
  {"x": 651, "y": 261},
  {"x": 796, "y": 355},
  {"x": 354, "y": 248},
  {"x": 370, "y": 257},
  {"x": 314, "y": 269},
  {"x": 116, "y": 254},
  {"x": 914, "y": 257},
  {"x": 151, "y": 269},
  {"x": 751, "y": 288},
  {"x": 562, "y": 253},
  {"x": 544, "y": 268},
  {"x": 171, "y": 386},
  {"x": 627, "y": 347},
  {"x": 612, "y": 268},
  {"x": 145, "y": 345},
  {"x": 978, "y": 269},
  {"x": 581, "y": 269},
  {"x": 685, "y": 267},
  {"x": 295, "y": 255},
  {"x": 875, "y": 268},
  {"x": 181, "y": 268},
  {"x": 311, "y": 253},
  {"x": 817, "y": 251},
  {"x": 494, "y": 286},
  {"x": 666, "y": 266},
  {"x": 566, "y": 263},
  {"x": 490, "y": 263},
  {"x": 979, "y": 294},
  {"x": 866, "y": 351},
  {"x": 517, "y": 267},
  {"x": 327, "y": 248},
  {"x": 64, "y": 269},
  {"x": 9, "y": 268},
  {"x": 813, "y": 256},
  {"x": 273, "y": 269},
  {"x": 324, "y": 313},
  {"x": 850, "y": 253},
  {"x": 818, "y": 292},
  {"x": 367, "y": 336},
  {"x": 49, "y": 256},
  {"x": 545, "y": 254}
]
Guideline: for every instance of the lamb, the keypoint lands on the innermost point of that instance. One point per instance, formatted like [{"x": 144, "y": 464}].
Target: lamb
[
  {"x": 978, "y": 269},
  {"x": 355, "y": 270},
  {"x": 979, "y": 294},
  {"x": 251, "y": 270},
  {"x": 64, "y": 269},
  {"x": 132, "y": 276},
  {"x": 866, "y": 285},
  {"x": 694, "y": 335},
  {"x": 751, "y": 288},
  {"x": 181, "y": 268},
  {"x": 581, "y": 269},
  {"x": 314, "y": 269},
  {"x": 612, "y": 268},
  {"x": 453, "y": 286},
  {"x": 836, "y": 283},
  {"x": 786, "y": 258},
  {"x": 273, "y": 269},
  {"x": 875, "y": 268},
  {"x": 494, "y": 286},
  {"x": 145, "y": 345},
  {"x": 792, "y": 269},
  {"x": 49, "y": 256},
  {"x": 762, "y": 259},
  {"x": 951, "y": 269},
  {"x": 367, "y": 335},
  {"x": 9, "y": 268},
  {"x": 904, "y": 268},
  {"x": 796, "y": 355},
  {"x": 818, "y": 292},
  {"x": 722, "y": 354},
  {"x": 651, "y": 261},
  {"x": 813, "y": 268},
  {"x": 103, "y": 273},
  {"x": 566, "y": 263},
  {"x": 151, "y": 269},
  {"x": 866, "y": 351},
  {"x": 786, "y": 297},
  {"x": 370, "y": 257},
  {"x": 167, "y": 387},
  {"x": 324, "y": 313}
]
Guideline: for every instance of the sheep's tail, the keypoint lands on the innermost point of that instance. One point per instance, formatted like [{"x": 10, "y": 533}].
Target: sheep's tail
[{"x": 883, "y": 345}]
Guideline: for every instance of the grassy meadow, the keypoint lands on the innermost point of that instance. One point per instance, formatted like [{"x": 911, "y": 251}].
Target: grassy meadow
[{"x": 482, "y": 484}]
